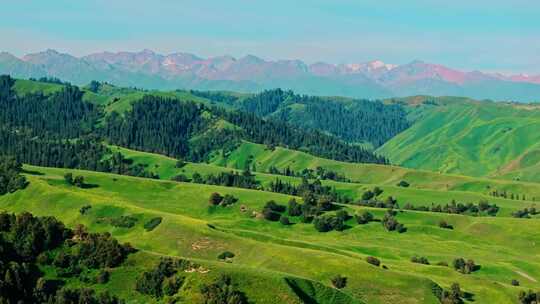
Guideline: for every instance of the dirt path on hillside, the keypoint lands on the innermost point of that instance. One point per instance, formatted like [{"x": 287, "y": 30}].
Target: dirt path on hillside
[{"x": 523, "y": 274}]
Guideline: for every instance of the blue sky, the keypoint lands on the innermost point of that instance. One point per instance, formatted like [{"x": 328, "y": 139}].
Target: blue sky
[{"x": 475, "y": 34}]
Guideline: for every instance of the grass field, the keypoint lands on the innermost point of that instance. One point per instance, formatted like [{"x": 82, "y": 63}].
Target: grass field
[
  {"x": 471, "y": 138},
  {"x": 425, "y": 188},
  {"x": 506, "y": 248}
]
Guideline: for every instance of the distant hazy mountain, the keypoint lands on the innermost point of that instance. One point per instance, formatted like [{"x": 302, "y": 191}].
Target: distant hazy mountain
[{"x": 373, "y": 79}]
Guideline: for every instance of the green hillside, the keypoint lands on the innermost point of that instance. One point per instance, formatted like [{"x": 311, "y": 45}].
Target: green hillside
[
  {"x": 267, "y": 202},
  {"x": 276, "y": 252},
  {"x": 426, "y": 187},
  {"x": 471, "y": 138}
]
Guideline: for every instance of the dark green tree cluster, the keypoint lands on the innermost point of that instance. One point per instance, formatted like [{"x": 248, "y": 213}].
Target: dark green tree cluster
[
  {"x": 529, "y": 297},
  {"x": 453, "y": 296},
  {"x": 153, "y": 223},
  {"x": 339, "y": 281},
  {"x": 482, "y": 208},
  {"x": 27, "y": 241},
  {"x": 273, "y": 211},
  {"x": 525, "y": 213},
  {"x": 77, "y": 181},
  {"x": 11, "y": 179},
  {"x": 390, "y": 222},
  {"x": 325, "y": 223},
  {"x": 231, "y": 179},
  {"x": 222, "y": 291},
  {"x": 217, "y": 200},
  {"x": 351, "y": 120},
  {"x": 319, "y": 173},
  {"x": 420, "y": 260},
  {"x": 364, "y": 217},
  {"x": 465, "y": 266},
  {"x": 165, "y": 279},
  {"x": 373, "y": 261},
  {"x": 307, "y": 189},
  {"x": 508, "y": 195},
  {"x": 278, "y": 133}
]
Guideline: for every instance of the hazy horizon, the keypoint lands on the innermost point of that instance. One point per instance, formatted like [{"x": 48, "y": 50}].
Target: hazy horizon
[{"x": 490, "y": 36}]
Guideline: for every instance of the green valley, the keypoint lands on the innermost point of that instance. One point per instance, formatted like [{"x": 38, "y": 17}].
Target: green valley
[{"x": 221, "y": 197}]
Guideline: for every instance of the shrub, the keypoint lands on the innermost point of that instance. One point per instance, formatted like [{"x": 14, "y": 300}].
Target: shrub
[
  {"x": 151, "y": 282},
  {"x": 215, "y": 199},
  {"x": 123, "y": 221},
  {"x": 84, "y": 209},
  {"x": 420, "y": 260},
  {"x": 284, "y": 220},
  {"x": 181, "y": 178},
  {"x": 222, "y": 291},
  {"x": 170, "y": 286},
  {"x": 343, "y": 215},
  {"x": 228, "y": 200},
  {"x": 68, "y": 178},
  {"x": 463, "y": 266},
  {"x": 339, "y": 281},
  {"x": 391, "y": 224},
  {"x": 377, "y": 191},
  {"x": 443, "y": 224},
  {"x": 272, "y": 205},
  {"x": 295, "y": 209},
  {"x": 78, "y": 181},
  {"x": 366, "y": 196},
  {"x": 153, "y": 223},
  {"x": 403, "y": 184},
  {"x": 327, "y": 223},
  {"x": 225, "y": 255},
  {"x": 364, "y": 217},
  {"x": 270, "y": 215},
  {"x": 373, "y": 261},
  {"x": 180, "y": 163},
  {"x": 102, "y": 277}
]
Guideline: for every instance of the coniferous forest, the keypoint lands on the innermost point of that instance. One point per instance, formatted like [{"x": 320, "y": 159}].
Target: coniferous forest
[
  {"x": 63, "y": 130},
  {"x": 355, "y": 120}
]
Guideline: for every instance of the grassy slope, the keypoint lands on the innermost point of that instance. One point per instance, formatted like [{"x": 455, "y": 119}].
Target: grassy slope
[
  {"x": 463, "y": 189},
  {"x": 23, "y": 87},
  {"x": 468, "y": 137},
  {"x": 505, "y": 247},
  {"x": 369, "y": 173}
]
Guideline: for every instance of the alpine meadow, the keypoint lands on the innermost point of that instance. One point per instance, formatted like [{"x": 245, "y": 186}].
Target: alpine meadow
[{"x": 134, "y": 177}]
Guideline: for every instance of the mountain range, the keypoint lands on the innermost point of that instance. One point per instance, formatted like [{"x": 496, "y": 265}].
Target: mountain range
[{"x": 375, "y": 79}]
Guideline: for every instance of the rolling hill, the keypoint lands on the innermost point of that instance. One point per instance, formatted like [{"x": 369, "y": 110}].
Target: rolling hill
[
  {"x": 274, "y": 253},
  {"x": 475, "y": 138},
  {"x": 84, "y": 143}
]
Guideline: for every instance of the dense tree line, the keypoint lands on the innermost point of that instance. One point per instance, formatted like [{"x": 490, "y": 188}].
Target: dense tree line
[
  {"x": 369, "y": 199},
  {"x": 27, "y": 242},
  {"x": 317, "y": 173},
  {"x": 180, "y": 129},
  {"x": 308, "y": 190},
  {"x": 245, "y": 179},
  {"x": 61, "y": 115},
  {"x": 11, "y": 179},
  {"x": 525, "y": 213},
  {"x": 84, "y": 153},
  {"x": 278, "y": 133},
  {"x": 56, "y": 130},
  {"x": 353, "y": 120}
]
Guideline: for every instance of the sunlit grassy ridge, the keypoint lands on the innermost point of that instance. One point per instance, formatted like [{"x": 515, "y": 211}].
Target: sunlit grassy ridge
[{"x": 470, "y": 137}]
